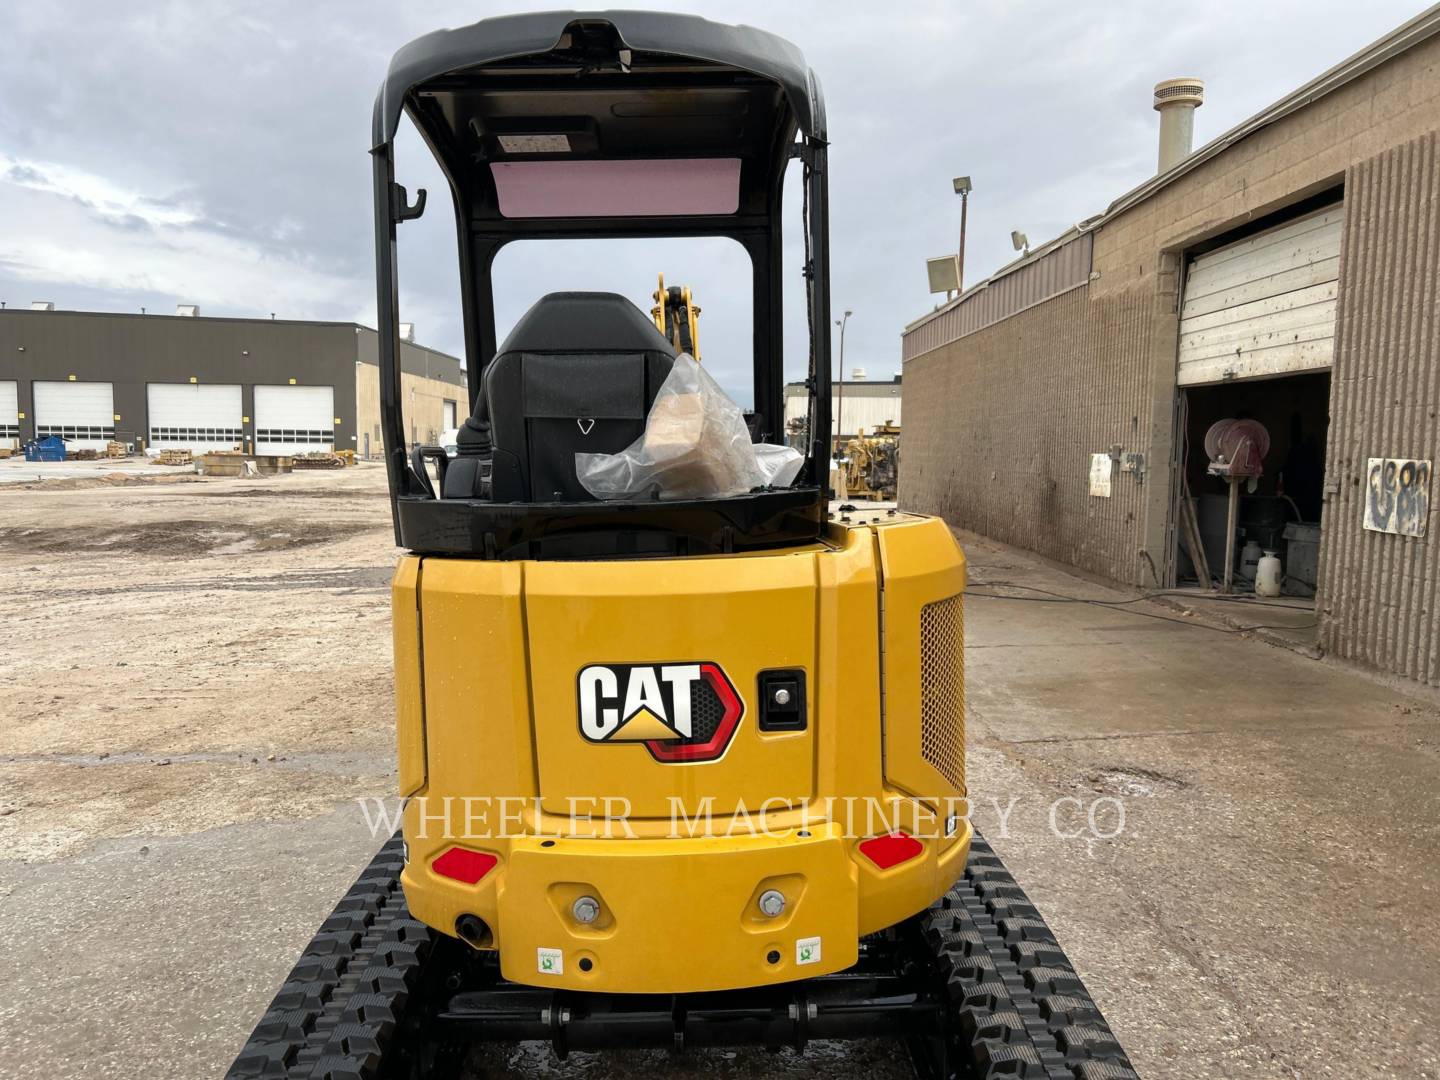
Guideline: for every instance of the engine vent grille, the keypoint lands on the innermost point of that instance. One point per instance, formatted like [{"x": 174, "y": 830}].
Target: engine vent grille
[{"x": 942, "y": 689}]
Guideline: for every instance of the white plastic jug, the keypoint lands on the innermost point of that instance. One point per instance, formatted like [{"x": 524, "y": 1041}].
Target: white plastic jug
[
  {"x": 1249, "y": 559},
  {"x": 1267, "y": 575}
]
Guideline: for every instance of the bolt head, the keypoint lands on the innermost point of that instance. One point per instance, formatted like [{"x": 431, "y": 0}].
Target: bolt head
[
  {"x": 782, "y": 696},
  {"x": 772, "y": 903},
  {"x": 585, "y": 910}
]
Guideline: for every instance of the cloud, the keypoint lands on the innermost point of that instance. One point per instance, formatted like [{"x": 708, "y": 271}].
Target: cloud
[
  {"x": 107, "y": 200},
  {"x": 55, "y": 244}
]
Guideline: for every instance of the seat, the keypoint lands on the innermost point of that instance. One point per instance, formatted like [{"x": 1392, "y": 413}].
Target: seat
[{"x": 578, "y": 374}]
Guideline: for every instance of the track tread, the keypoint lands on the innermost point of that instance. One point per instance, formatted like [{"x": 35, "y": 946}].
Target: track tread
[
  {"x": 1019, "y": 1010},
  {"x": 337, "y": 1012}
]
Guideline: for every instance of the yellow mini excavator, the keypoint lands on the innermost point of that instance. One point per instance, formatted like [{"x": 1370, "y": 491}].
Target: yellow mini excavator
[{"x": 678, "y": 772}]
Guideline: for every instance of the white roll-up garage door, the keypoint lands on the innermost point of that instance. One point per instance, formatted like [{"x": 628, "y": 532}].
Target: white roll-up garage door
[
  {"x": 1265, "y": 305},
  {"x": 294, "y": 419},
  {"x": 81, "y": 413},
  {"x": 9, "y": 411},
  {"x": 186, "y": 416}
]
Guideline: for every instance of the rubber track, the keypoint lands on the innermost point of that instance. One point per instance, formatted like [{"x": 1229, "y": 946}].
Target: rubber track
[
  {"x": 1018, "y": 1009},
  {"x": 337, "y": 1013}
]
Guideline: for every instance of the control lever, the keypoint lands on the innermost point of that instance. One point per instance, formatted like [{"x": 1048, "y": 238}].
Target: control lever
[{"x": 419, "y": 456}]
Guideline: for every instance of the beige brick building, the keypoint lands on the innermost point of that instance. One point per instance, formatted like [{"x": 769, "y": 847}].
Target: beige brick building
[
  {"x": 432, "y": 387},
  {"x": 1288, "y": 272}
]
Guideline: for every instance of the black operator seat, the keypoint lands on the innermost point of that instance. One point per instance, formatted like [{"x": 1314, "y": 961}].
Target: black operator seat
[{"x": 578, "y": 374}]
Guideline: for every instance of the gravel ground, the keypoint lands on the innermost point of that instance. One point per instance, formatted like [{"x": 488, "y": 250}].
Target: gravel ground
[{"x": 182, "y": 656}]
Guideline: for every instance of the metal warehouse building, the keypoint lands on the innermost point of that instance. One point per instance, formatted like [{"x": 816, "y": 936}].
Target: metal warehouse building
[
  {"x": 859, "y": 403},
  {"x": 266, "y": 386},
  {"x": 1289, "y": 272}
]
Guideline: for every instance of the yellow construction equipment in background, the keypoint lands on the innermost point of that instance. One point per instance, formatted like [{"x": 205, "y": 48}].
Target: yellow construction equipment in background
[
  {"x": 872, "y": 463},
  {"x": 677, "y": 316}
]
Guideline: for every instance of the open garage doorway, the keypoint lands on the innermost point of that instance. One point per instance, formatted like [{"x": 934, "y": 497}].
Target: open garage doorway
[{"x": 1282, "y": 513}]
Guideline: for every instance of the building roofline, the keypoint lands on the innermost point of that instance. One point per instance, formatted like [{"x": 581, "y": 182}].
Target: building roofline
[
  {"x": 1400, "y": 40},
  {"x": 1009, "y": 268},
  {"x": 65, "y": 312},
  {"x": 187, "y": 318},
  {"x": 849, "y": 383}
]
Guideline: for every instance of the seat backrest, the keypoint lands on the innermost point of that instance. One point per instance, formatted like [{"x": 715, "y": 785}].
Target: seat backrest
[{"x": 578, "y": 374}]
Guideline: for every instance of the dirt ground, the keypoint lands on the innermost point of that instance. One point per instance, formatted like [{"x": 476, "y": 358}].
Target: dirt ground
[
  {"x": 195, "y": 686},
  {"x": 182, "y": 656}
]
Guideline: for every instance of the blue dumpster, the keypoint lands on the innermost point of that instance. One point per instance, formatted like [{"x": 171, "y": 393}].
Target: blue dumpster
[{"x": 50, "y": 448}]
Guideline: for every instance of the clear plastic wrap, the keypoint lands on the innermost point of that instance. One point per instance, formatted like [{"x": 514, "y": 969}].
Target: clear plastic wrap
[
  {"x": 779, "y": 464},
  {"x": 695, "y": 446}
]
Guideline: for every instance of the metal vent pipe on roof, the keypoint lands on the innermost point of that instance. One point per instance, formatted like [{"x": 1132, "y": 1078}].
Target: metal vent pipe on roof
[
  {"x": 1176, "y": 101},
  {"x": 42, "y": 305}
]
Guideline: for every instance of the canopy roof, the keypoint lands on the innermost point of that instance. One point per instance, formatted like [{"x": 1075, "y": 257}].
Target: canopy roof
[
  {"x": 566, "y": 125},
  {"x": 605, "y": 114}
]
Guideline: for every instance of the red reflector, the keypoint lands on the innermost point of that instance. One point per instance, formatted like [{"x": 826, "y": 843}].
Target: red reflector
[
  {"x": 465, "y": 865},
  {"x": 890, "y": 850}
]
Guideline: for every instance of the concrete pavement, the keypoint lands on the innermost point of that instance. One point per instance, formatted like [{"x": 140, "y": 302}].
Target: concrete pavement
[
  {"x": 153, "y": 956},
  {"x": 1264, "y": 910}
]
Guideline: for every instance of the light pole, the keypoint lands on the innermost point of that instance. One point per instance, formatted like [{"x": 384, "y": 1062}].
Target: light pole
[
  {"x": 962, "y": 188},
  {"x": 840, "y": 402}
]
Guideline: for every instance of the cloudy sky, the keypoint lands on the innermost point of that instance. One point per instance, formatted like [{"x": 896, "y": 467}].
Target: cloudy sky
[{"x": 214, "y": 152}]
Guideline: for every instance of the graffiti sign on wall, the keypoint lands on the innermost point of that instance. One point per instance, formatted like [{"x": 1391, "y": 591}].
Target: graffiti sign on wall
[{"x": 1397, "y": 496}]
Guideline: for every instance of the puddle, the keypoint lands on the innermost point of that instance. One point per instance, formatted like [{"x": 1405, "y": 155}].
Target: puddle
[{"x": 1133, "y": 782}]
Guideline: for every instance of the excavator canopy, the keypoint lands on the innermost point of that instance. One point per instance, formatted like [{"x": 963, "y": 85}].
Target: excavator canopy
[{"x": 565, "y": 125}]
